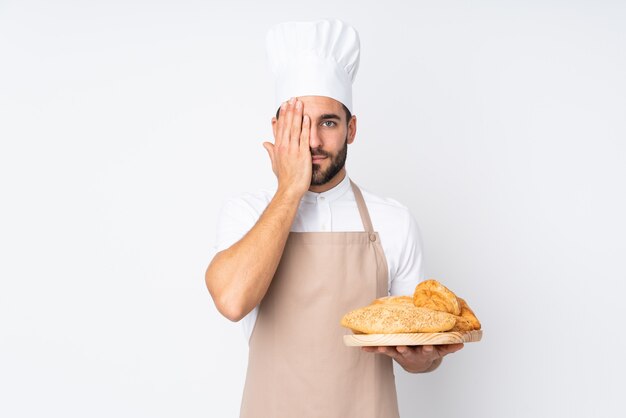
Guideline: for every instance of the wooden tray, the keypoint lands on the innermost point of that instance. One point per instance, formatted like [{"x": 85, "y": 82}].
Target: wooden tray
[{"x": 423, "y": 338}]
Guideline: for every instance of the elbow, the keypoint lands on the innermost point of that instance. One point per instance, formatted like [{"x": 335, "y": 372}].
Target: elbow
[
  {"x": 231, "y": 310},
  {"x": 230, "y": 306}
]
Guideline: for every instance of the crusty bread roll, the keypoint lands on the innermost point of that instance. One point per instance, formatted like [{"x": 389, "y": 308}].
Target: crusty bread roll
[
  {"x": 432, "y": 294},
  {"x": 394, "y": 299},
  {"x": 394, "y": 318},
  {"x": 468, "y": 314},
  {"x": 462, "y": 324}
]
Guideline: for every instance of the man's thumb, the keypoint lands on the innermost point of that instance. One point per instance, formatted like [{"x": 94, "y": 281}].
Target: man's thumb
[{"x": 269, "y": 147}]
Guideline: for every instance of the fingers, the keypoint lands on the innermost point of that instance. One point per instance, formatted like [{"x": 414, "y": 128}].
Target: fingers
[
  {"x": 416, "y": 359},
  {"x": 390, "y": 351},
  {"x": 428, "y": 350},
  {"x": 436, "y": 351},
  {"x": 289, "y": 129},
  {"x": 305, "y": 135},
  {"x": 269, "y": 147},
  {"x": 393, "y": 352},
  {"x": 278, "y": 139},
  {"x": 288, "y": 120},
  {"x": 449, "y": 349},
  {"x": 296, "y": 124},
  {"x": 425, "y": 351},
  {"x": 403, "y": 350}
]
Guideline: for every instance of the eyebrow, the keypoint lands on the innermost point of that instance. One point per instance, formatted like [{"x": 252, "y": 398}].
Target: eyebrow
[{"x": 327, "y": 116}]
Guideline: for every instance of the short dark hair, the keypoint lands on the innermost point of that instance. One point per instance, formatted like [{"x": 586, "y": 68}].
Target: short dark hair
[{"x": 345, "y": 109}]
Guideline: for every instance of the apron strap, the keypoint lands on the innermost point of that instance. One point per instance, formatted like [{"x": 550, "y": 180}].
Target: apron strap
[{"x": 360, "y": 202}]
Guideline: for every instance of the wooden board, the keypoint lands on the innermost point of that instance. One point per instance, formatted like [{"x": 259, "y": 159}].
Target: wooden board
[{"x": 424, "y": 338}]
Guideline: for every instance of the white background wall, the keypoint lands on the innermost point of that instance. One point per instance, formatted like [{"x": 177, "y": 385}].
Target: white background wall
[{"x": 125, "y": 124}]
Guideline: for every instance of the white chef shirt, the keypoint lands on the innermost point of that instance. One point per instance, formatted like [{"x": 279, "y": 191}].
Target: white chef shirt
[{"x": 335, "y": 211}]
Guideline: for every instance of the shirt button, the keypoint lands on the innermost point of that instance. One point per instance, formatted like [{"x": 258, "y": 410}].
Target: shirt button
[
  {"x": 322, "y": 198},
  {"x": 372, "y": 237}
]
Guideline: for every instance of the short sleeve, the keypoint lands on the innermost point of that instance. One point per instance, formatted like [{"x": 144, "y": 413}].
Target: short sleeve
[
  {"x": 410, "y": 270},
  {"x": 236, "y": 218}
]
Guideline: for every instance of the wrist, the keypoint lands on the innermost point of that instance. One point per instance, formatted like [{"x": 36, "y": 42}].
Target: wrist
[{"x": 289, "y": 195}]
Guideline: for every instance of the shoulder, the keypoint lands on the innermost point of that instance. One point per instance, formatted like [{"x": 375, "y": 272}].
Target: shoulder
[
  {"x": 386, "y": 206},
  {"x": 238, "y": 215},
  {"x": 392, "y": 219},
  {"x": 254, "y": 203}
]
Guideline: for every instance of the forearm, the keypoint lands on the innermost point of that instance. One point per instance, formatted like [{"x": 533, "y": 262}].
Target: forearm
[{"x": 239, "y": 276}]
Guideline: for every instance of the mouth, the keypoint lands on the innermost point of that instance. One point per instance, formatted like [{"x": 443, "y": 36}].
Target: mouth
[{"x": 318, "y": 158}]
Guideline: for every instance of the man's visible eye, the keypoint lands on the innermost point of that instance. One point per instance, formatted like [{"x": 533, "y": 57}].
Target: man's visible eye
[{"x": 329, "y": 123}]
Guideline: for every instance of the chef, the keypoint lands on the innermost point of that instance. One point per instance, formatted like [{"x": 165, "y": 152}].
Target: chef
[{"x": 292, "y": 261}]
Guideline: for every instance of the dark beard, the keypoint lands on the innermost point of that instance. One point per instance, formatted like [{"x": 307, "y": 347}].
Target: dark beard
[{"x": 337, "y": 162}]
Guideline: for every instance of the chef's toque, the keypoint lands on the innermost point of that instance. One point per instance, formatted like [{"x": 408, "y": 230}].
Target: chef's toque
[{"x": 318, "y": 58}]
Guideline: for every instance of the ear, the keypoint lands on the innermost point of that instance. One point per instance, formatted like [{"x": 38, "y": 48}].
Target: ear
[
  {"x": 274, "y": 126},
  {"x": 351, "y": 129}
]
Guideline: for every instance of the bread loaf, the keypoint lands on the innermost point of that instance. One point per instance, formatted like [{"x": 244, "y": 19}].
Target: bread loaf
[{"x": 389, "y": 318}]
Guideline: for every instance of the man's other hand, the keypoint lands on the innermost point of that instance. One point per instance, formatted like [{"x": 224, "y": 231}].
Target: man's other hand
[{"x": 417, "y": 359}]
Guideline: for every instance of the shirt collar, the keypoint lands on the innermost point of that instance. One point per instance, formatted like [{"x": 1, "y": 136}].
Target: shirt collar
[{"x": 329, "y": 195}]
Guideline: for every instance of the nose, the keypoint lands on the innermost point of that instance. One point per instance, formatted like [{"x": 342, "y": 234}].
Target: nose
[{"x": 315, "y": 141}]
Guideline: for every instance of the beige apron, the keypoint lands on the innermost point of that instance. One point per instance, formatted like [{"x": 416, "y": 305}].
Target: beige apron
[{"x": 298, "y": 366}]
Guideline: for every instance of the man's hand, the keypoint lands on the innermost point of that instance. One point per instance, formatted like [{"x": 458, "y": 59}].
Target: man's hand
[
  {"x": 290, "y": 153},
  {"x": 417, "y": 359}
]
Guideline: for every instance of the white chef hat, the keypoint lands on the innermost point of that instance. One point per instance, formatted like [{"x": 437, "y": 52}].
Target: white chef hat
[{"x": 318, "y": 58}]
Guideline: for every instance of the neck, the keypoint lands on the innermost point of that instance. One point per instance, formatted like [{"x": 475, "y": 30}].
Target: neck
[{"x": 332, "y": 183}]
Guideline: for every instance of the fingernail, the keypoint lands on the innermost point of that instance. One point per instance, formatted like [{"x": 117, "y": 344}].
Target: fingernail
[
  {"x": 283, "y": 105},
  {"x": 298, "y": 105},
  {"x": 293, "y": 99}
]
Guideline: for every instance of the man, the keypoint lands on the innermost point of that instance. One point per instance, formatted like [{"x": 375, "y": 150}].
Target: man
[{"x": 292, "y": 262}]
